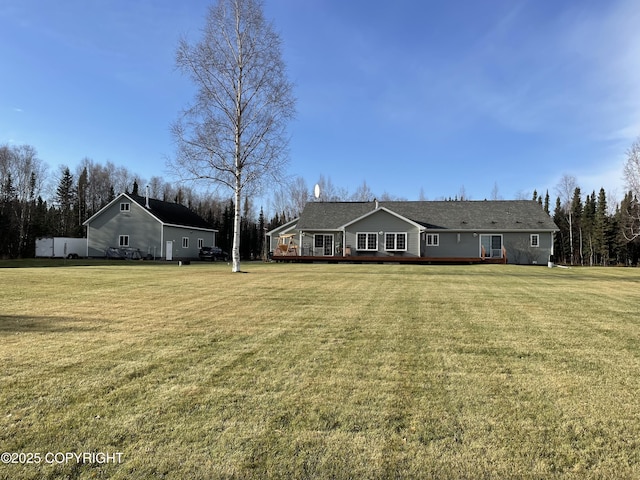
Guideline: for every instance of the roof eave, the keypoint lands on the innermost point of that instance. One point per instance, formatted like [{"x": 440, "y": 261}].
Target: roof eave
[
  {"x": 189, "y": 227},
  {"x": 284, "y": 226},
  {"x": 487, "y": 229}
]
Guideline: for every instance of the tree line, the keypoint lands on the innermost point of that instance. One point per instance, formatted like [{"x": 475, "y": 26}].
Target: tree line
[{"x": 591, "y": 232}]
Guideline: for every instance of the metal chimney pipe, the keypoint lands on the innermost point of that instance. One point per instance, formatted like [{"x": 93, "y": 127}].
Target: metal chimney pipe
[{"x": 146, "y": 190}]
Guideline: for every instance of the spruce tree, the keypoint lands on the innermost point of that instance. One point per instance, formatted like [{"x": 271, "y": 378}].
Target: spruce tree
[
  {"x": 589, "y": 213},
  {"x": 66, "y": 197},
  {"x": 546, "y": 202},
  {"x": 8, "y": 224},
  {"x": 601, "y": 228},
  {"x": 576, "y": 226},
  {"x": 81, "y": 201},
  {"x": 561, "y": 246}
]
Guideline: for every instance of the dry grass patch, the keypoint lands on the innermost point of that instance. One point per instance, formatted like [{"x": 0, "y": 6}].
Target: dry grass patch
[{"x": 322, "y": 371}]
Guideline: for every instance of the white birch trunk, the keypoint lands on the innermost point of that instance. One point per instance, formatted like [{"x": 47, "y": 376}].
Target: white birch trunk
[
  {"x": 235, "y": 250},
  {"x": 571, "y": 236}
]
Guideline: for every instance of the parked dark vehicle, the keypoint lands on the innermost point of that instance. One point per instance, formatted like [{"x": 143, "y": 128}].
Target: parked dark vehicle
[{"x": 213, "y": 254}]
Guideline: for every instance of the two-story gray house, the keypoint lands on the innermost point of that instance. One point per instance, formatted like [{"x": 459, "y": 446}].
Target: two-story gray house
[
  {"x": 514, "y": 231},
  {"x": 156, "y": 228}
]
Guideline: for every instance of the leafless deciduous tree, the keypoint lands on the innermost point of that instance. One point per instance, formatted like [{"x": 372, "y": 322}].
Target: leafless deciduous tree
[
  {"x": 363, "y": 193},
  {"x": 565, "y": 190},
  {"x": 631, "y": 172},
  {"x": 290, "y": 198},
  {"x": 495, "y": 192},
  {"x": 234, "y": 132},
  {"x": 632, "y": 168},
  {"x": 99, "y": 189},
  {"x": 21, "y": 179}
]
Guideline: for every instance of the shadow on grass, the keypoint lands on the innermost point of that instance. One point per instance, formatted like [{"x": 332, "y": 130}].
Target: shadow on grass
[{"x": 11, "y": 324}]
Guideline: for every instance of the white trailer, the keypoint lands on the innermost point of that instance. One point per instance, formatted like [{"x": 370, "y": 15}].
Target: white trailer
[{"x": 61, "y": 247}]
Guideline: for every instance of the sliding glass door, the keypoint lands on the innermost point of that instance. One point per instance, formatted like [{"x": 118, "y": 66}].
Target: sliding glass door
[
  {"x": 323, "y": 244},
  {"x": 491, "y": 246}
]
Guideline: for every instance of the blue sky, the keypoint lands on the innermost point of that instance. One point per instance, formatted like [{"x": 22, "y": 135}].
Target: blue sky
[{"x": 408, "y": 96}]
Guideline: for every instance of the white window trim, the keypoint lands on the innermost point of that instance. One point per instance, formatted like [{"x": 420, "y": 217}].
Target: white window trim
[
  {"x": 185, "y": 242},
  {"x": 125, "y": 207},
  {"x": 537, "y": 242},
  {"x": 123, "y": 240},
  {"x": 200, "y": 242},
  {"x": 367, "y": 248},
  {"x": 395, "y": 242},
  {"x": 432, "y": 239}
]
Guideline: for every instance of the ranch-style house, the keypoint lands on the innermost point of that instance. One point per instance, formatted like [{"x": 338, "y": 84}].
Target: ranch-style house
[{"x": 512, "y": 231}]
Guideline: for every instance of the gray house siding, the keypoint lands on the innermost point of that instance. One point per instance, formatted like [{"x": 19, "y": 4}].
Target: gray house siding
[
  {"x": 176, "y": 235},
  {"x": 382, "y": 221},
  {"x": 451, "y": 244},
  {"x": 466, "y": 244},
  {"x": 520, "y": 250},
  {"x": 140, "y": 227}
]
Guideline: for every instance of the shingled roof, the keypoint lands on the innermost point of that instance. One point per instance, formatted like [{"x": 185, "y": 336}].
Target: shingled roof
[
  {"x": 464, "y": 215},
  {"x": 331, "y": 215},
  {"x": 172, "y": 213}
]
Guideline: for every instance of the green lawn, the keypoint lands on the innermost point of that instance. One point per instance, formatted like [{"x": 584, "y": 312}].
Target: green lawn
[{"x": 320, "y": 371}]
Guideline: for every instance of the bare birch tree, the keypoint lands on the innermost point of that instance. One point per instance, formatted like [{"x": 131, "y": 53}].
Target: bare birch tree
[
  {"x": 631, "y": 172},
  {"x": 234, "y": 132},
  {"x": 566, "y": 188},
  {"x": 21, "y": 179}
]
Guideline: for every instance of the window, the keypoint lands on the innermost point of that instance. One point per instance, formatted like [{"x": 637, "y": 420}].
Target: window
[
  {"x": 125, "y": 207},
  {"x": 185, "y": 242},
  {"x": 395, "y": 241},
  {"x": 367, "y": 241},
  {"x": 123, "y": 240},
  {"x": 433, "y": 239},
  {"x": 535, "y": 240},
  {"x": 200, "y": 242}
]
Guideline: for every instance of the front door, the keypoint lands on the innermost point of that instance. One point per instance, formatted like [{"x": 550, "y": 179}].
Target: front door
[
  {"x": 491, "y": 246},
  {"x": 169, "y": 250},
  {"x": 328, "y": 244}
]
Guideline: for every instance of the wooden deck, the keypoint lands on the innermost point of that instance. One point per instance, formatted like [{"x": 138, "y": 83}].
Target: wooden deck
[{"x": 389, "y": 259}]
